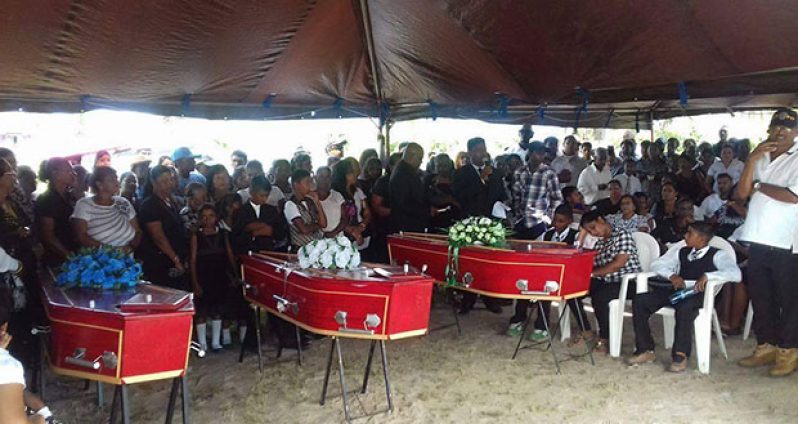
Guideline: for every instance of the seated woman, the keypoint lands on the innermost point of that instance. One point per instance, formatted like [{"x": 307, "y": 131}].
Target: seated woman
[
  {"x": 627, "y": 218},
  {"x": 105, "y": 219},
  {"x": 689, "y": 267},
  {"x": 617, "y": 256},
  {"x": 304, "y": 211}
]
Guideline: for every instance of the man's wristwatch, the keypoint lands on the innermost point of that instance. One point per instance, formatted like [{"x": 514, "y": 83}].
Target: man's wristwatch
[{"x": 757, "y": 185}]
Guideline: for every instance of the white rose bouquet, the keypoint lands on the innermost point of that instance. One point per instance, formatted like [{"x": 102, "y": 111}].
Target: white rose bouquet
[
  {"x": 480, "y": 231},
  {"x": 337, "y": 253}
]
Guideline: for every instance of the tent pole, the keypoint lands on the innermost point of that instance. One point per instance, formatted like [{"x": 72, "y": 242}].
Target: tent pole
[{"x": 651, "y": 124}]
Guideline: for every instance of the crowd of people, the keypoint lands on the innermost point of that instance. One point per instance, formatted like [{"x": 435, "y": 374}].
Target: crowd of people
[{"x": 187, "y": 223}]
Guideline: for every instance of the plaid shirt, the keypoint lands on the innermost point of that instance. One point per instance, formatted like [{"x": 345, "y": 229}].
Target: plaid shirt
[
  {"x": 619, "y": 242},
  {"x": 535, "y": 195}
]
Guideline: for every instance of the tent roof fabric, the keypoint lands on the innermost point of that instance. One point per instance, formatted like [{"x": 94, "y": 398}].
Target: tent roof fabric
[{"x": 622, "y": 62}]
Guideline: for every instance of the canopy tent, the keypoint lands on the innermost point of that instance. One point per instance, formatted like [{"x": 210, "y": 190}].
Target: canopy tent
[{"x": 614, "y": 63}]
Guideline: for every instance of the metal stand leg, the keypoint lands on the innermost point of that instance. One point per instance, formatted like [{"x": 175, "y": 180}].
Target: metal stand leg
[
  {"x": 333, "y": 342},
  {"x": 342, "y": 377},
  {"x": 257, "y": 339},
  {"x": 100, "y": 395},
  {"x": 385, "y": 375},
  {"x": 368, "y": 367},
  {"x": 184, "y": 403},
  {"x": 559, "y": 320},
  {"x": 455, "y": 312},
  {"x": 115, "y": 400},
  {"x": 170, "y": 410},
  {"x": 125, "y": 405},
  {"x": 548, "y": 332},
  {"x": 582, "y": 329},
  {"x": 298, "y": 346},
  {"x": 523, "y": 334}
]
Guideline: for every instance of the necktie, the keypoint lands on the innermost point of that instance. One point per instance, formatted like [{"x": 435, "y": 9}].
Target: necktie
[
  {"x": 626, "y": 189},
  {"x": 693, "y": 255}
]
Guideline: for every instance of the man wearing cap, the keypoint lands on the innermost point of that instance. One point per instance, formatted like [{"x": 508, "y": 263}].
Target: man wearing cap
[
  {"x": 185, "y": 162},
  {"x": 770, "y": 178}
]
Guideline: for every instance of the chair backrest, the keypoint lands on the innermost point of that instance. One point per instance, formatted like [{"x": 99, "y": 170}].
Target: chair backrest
[{"x": 647, "y": 249}]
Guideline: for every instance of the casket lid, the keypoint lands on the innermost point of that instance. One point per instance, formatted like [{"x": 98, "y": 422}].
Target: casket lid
[{"x": 144, "y": 297}]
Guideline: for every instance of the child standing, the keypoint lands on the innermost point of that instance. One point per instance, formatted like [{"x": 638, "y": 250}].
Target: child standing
[{"x": 212, "y": 264}]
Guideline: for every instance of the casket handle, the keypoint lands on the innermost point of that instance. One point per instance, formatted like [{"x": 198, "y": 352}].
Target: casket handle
[
  {"x": 77, "y": 360},
  {"x": 283, "y": 304},
  {"x": 371, "y": 321}
]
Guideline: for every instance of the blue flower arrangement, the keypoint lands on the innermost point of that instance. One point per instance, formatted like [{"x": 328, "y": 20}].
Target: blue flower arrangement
[{"x": 100, "y": 268}]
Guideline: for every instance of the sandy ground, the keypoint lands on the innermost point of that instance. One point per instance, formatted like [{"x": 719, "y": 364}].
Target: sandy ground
[{"x": 444, "y": 378}]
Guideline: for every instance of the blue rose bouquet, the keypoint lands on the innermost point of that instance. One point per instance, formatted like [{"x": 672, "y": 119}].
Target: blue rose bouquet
[{"x": 100, "y": 268}]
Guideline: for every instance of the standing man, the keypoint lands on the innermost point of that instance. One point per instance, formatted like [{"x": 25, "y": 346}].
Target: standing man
[
  {"x": 569, "y": 166},
  {"x": 770, "y": 178},
  {"x": 593, "y": 180},
  {"x": 409, "y": 208},
  {"x": 536, "y": 193},
  {"x": 477, "y": 188},
  {"x": 185, "y": 162},
  {"x": 552, "y": 148}
]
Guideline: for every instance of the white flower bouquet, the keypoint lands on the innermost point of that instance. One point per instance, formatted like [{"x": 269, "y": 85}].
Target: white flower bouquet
[
  {"x": 334, "y": 253},
  {"x": 477, "y": 230}
]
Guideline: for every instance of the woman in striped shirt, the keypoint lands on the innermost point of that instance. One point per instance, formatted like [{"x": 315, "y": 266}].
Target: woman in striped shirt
[{"x": 105, "y": 219}]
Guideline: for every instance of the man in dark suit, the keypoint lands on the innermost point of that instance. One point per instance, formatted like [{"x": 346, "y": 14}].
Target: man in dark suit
[
  {"x": 477, "y": 188},
  {"x": 409, "y": 208}
]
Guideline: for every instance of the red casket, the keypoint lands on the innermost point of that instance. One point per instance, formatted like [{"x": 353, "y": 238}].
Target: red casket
[
  {"x": 522, "y": 270},
  {"x": 378, "y": 302},
  {"x": 119, "y": 337}
]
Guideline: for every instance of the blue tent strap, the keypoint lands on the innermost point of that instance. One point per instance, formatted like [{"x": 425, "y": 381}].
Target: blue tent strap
[
  {"x": 542, "y": 112},
  {"x": 504, "y": 102},
  {"x": 609, "y": 118},
  {"x": 433, "y": 109},
  {"x": 583, "y": 108},
  {"x": 185, "y": 104},
  {"x": 267, "y": 103},
  {"x": 682, "y": 87},
  {"x": 385, "y": 113},
  {"x": 84, "y": 103}
]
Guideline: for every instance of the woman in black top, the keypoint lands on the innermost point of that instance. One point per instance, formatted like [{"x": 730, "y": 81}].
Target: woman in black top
[
  {"x": 54, "y": 209},
  {"x": 164, "y": 249}
]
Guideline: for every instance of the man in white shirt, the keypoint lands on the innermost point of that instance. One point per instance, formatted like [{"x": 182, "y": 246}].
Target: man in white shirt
[
  {"x": 770, "y": 177},
  {"x": 716, "y": 200},
  {"x": 594, "y": 180},
  {"x": 727, "y": 164},
  {"x": 630, "y": 184},
  {"x": 568, "y": 166}
]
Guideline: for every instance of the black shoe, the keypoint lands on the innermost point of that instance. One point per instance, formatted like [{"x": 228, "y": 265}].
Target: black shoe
[{"x": 496, "y": 309}]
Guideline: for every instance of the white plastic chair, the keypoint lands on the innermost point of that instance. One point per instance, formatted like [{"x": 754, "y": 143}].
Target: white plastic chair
[
  {"x": 647, "y": 252},
  {"x": 707, "y": 318},
  {"x": 749, "y": 319}
]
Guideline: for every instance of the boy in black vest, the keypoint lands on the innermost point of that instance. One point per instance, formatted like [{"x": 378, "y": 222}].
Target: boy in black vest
[
  {"x": 560, "y": 232},
  {"x": 686, "y": 267}
]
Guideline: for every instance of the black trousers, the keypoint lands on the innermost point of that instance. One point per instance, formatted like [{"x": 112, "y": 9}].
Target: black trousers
[
  {"x": 601, "y": 293},
  {"x": 773, "y": 288},
  {"x": 646, "y": 304},
  {"x": 522, "y": 306}
]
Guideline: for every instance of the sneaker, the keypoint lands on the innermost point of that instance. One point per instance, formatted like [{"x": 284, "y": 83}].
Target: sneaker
[
  {"x": 764, "y": 354},
  {"x": 515, "y": 329},
  {"x": 641, "y": 358},
  {"x": 539, "y": 336},
  {"x": 786, "y": 363}
]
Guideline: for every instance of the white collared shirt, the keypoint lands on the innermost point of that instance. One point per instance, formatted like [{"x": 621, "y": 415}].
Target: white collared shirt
[
  {"x": 630, "y": 184},
  {"x": 257, "y": 209},
  {"x": 735, "y": 170},
  {"x": 590, "y": 179},
  {"x": 769, "y": 221},
  {"x": 725, "y": 263},
  {"x": 11, "y": 371},
  {"x": 573, "y": 163}
]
